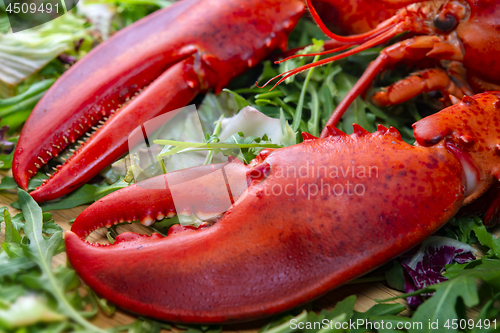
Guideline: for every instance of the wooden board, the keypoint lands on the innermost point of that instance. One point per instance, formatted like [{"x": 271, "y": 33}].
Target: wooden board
[{"x": 366, "y": 293}]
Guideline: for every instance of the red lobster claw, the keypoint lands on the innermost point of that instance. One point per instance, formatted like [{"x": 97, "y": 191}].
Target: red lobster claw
[
  {"x": 168, "y": 57},
  {"x": 314, "y": 216}
]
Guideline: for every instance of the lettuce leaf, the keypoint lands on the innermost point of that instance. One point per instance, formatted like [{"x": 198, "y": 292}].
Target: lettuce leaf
[
  {"x": 24, "y": 53},
  {"x": 424, "y": 267}
]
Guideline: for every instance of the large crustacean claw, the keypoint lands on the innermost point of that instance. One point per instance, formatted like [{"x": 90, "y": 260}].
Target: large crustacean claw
[
  {"x": 168, "y": 57},
  {"x": 314, "y": 216},
  {"x": 286, "y": 242}
]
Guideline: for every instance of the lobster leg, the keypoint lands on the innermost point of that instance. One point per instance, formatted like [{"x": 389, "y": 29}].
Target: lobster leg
[
  {"x": 352, "y": 16},
  {"x": 156, "y": 65},
  {"x": 413, "y": 49},
  {"x": 492, "y": 214},
  {"x": 420, "y": 82},
  {"x": 488, "y": 207}
]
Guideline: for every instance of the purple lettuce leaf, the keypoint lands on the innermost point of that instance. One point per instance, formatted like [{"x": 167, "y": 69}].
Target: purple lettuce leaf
[
  {"x": 66, "y": 59},
  {"x": 6, "y": 146},
  {"x": 424, "y": 266}
]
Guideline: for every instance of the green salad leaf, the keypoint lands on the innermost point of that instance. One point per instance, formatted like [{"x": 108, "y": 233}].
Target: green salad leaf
[
  {"x": 34, "y": 294},
  {"x": 6, "y": 159},
  {"x": 4, "y": 19},
  {"x": 468, "y": 225},
  {"x": 8, "y": 183},
  {"x": 24, "y": 53},
  {"x": 40, "y": 249},
  {"x": 86, "y": 194},
  {"x": 15, "y": 110}
]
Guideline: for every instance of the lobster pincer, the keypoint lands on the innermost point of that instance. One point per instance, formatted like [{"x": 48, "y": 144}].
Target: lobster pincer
[
  {"x": 314, "y": 216},
  {"x": 159, "y": 64}
]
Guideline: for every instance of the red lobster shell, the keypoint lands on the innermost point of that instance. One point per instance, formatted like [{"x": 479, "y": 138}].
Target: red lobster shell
[
  {"x": 314, "y": 216},
  {"x": 167, "y": 57}
]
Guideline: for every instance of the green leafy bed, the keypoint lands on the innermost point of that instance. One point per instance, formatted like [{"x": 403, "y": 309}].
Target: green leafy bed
[{"x": 36, "y": 297}]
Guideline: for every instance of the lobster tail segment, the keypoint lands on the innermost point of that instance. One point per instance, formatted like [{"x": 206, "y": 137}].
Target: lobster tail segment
[{"x": 471, "y": 131}]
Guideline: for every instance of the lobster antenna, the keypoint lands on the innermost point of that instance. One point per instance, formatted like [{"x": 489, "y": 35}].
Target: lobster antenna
[
  {"x": 368, "y": 44},
  {"x": 380, "y": 29},
  {"x": 402, "y": 3},
  {"x": 337, "y": 49}
]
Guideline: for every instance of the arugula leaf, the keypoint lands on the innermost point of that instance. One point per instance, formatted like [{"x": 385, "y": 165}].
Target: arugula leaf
[
  {"x": 335, "y": 320},
  {"x": 40, "y": 250},
  {"x": 240, "y": 101},
  {"x": 35, "y": 182},
  {"x": 8, "y": 294},
  {"x": 343, "y": 311},
  {"x": 11, "y": 234},
  {"x": 15, "y": 110},
  {"x": 214, "y": 106},
  {"x": 395, "y": 276},
  {"x": 438, "y": 309},
  {"x": 107, "y": 307},
  {"x": 29, "y": 297},
  {"x": 376, "y": 311},
  {"x": 36, "y": 308},
  {"x": 86, "y": 194},
  {"x": 10, "y": 265},
  {"x": 473, "y": 226},
  {"x": 129, "y": 11},
  {"x": 441, "y": 307},
  {"x": 285, "y": 326},
  {"x": 300, "y": 105},
  {"x": 489, "y": 311},
  {"x": 8, "y": 183},
  {"x": 246, "y": 146},
  {"x": 18, "y": 221}
]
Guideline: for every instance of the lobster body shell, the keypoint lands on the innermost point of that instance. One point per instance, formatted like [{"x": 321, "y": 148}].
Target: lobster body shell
[
  {"x": 352, "y": 16},
  {"x": 480, "y": 37},
  {"x": 328, "y": 210}
]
